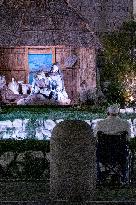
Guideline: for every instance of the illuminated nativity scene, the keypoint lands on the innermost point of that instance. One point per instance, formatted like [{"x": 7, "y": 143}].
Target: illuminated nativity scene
[
  {"x": 45, "y": 87},
  {"x": 47, "y": 54}
]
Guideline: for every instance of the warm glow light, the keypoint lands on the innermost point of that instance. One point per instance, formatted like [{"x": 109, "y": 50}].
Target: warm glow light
[
  {"x": 131, "y": 98},
  {"x": 129, "y": 83}
]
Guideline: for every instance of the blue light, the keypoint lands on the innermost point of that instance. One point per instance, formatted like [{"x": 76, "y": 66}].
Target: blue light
[{"x": 38, "y": 62}]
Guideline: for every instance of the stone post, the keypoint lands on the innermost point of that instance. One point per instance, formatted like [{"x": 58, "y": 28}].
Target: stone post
[{"x": 73, "y": 161}]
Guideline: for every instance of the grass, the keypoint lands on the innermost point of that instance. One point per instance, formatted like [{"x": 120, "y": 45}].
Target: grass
[
  {"x": 116, "y": 193},
  {"x": 24, "y": 190},
  {"x": 55, "y": 112},
  {"x": 11, "y": 113},
  {"x": 39, "y": 190}
]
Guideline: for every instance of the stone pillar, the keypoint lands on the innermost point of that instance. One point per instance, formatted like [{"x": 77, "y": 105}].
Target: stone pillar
[{"x": 73, "y": 161}]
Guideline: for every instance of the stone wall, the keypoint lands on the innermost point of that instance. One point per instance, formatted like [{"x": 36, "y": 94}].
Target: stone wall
[
  {"x": 24, "y": 164},
  {"x": 40, "y": 129}
]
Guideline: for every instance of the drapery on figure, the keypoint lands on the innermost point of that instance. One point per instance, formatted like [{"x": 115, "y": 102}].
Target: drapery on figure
[
  {"x": 58, "y": 91},
  {"x": 8, "y": 94},
  {"x": 48, "y": 87},
  {"x": 41, "y": 84},
  {"x": 14, "y": 86}
]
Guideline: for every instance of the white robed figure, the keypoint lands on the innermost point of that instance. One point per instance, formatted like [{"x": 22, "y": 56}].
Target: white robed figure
[
  {"x": 40, "y": 89},
  {"x": 14, "y": 86},
  {"x": 47, "y": 86},
  {"x": 58, "y": 91},
  {"x": 41, "y": 84}
]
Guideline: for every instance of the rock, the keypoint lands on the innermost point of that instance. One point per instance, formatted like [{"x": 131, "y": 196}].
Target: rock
[
  {"x": 39, "y": 134},
  {"x": 19, "y": 135},
  {"x": 21, "y": 102},
  {"x": 88, "y": 122},
  {"x": 64, "y": 102},
  {"x": 17, "y": 123},
  {"x": 21, "y": 157},
  {"x": 37, "y": 154},
  {"x": 47, "y": 134},
  {"x": 72, "y": 161},
  {"x": 49, "y": 124},
  {"x": 6, "y": 159},
  {"x": 134, "y": 121},
  {"x": 6, "y": 135},
  {"x": 25, "y": 121},
  {"x": 48, "y": 157},
  {"x": 36, "y": 99},
  {"x": 60, "y": 120},
  {"x": 129, "y": 110},
  {"x": 8, "y": 96},
  {"x": 5, "y": 124},
  {"x": 130, "y": 122},
  {"x": 34, "y": 154},
  {"x": 122, "y": 111}
]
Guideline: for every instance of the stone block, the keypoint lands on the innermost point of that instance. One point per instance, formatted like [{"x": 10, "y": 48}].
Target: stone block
[
  {"x": 129, "y": 110},
  {"x": 72, "y": 161},
  {"x": 122, "y": 111}
]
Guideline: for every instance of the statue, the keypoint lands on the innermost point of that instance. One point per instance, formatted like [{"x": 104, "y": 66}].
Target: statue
[
  {"x": 58, "y": 91},
  {"x": 13, "y": 86},
  {"x": 2, "y": 82},
  {"x": 25, "y": 88},
  {"x": 40, "y": 84},
  {"x": 47, "y": 88},
  {"x": 8, "y": 94}
]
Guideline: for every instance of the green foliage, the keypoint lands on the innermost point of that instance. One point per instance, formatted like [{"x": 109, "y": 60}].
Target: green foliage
[
  {"x": 31, "y": 167},
  {"x": 34, "y": 167},
  {"x": 118, "y": 50},
  {"x": 119, "y": 57},
  {"x": 114, "y": 93},
  {"x": 133, "y": 144},
  {"x": 24, "y": 145},
  {"x": 77, "y": 112},
  {"x": 129, "y": 26}
]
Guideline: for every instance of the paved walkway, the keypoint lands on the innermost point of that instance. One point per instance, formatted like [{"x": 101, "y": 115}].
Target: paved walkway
[{"x": 66, "y": 203}]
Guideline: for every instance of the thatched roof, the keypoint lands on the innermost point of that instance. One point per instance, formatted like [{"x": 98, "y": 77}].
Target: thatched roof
[{"x": 50, "y": 22}]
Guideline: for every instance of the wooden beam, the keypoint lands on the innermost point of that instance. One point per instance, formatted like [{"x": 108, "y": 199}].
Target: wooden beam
[
  {"x": 53, "y": 54},
  {"x": 26, "y": 65}
]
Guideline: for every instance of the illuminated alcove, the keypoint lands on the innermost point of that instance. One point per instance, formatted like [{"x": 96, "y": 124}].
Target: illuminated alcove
[{"x": 48, "y": 28}]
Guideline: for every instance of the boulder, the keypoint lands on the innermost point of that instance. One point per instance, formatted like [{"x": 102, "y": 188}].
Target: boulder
[
  {"x": 49, "y": 124},
  {"x": 72, "y": 161},
  {"x": 6, "y": 159},
  {"x": 36, "y": 99}
]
